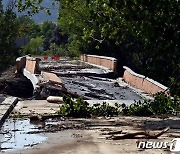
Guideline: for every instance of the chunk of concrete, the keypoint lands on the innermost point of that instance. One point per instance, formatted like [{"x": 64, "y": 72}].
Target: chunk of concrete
[
  {"x": 54, "y": 99},
  {"x": 51, "y": 77}
]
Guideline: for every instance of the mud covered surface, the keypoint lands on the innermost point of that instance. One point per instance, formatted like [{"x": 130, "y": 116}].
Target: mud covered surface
[
  {"x": 88, "y": 81},
  {"x": 98, "y": 88},
  {"x": 64, "y": 65},
  {"x": 90, "y": 135},
  {"x": 14, "y": 135},
  {"x": 18, "y": 134},
  {"x": 68, "y": 68}
]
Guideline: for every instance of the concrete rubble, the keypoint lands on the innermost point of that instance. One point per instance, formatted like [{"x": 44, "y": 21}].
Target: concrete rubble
[{"x": 7, "y": 104}]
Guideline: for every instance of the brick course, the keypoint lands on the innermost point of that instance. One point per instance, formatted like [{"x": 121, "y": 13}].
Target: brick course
[
  {"x": 108, "y": 62},
  {"x": 141, "y": 82}
]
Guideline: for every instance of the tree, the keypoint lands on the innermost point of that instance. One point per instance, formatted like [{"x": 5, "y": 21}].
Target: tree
[
  {"x": 28, "y": 27},
  {"x": 34, "y": 46},
  {"x": 57, "y": 36},
  {"x": 47, "y": 28},
  {"x": 142, "y": 34},
  {"x": 46, "y": 43},
  {"x": 8, "y": 33}
]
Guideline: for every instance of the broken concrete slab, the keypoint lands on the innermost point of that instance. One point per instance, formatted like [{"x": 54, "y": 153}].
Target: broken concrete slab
[
  {"x": 34, "y": 78},
  {"x": 7, "y": 104},
  {"x": 40, "y": 80},
  {"x": 36, "y": 107},
  {"x": 74, "y": 67},
  {"x": 51, "y": 77},
  {"x": 63, "y": 64},
  {"x": 99, "y": 89}
]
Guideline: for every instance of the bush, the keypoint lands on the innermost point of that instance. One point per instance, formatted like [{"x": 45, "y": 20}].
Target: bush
[
  {"x": 140, "y": 108},
  {"x": 74, "y": 108},
  {"x": 162, "y": 104},
  {"x": 104, "y": 110},
  {"x": 80, "y": 108}
]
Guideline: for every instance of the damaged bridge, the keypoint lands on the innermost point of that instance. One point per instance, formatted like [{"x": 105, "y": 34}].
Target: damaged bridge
[
  {"x": 86, "y": 77},
  {"x": 89, "y": 77},
  {"x": 29, "y": 67}
]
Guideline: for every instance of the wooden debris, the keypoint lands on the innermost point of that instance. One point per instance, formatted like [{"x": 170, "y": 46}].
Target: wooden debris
[
  {"x": 44, "y": 117},
  {"x": 112, "y": 132},
  {"x": 136, "y": 135}
]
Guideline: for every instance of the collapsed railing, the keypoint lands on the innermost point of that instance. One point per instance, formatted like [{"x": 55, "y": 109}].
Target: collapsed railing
[{"x": 41, "y": 81}]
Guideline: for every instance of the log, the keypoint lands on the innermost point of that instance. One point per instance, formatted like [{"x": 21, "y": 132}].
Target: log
[
  {"x": 112, "y": 132},
  {"x": 135, "y": 135}
]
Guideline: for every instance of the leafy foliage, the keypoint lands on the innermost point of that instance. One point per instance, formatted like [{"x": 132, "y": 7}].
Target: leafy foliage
[
  {"x": 34, "y": 46},
  {"x": 140, "y": 108},
  {"x": 28, "y": 27},
  {"x": 162, "y": 104},
  {"x": 8, "y": 33},
  {"x": 141, "y": 34},
  {"x": 80, "y": 108},
  {"x": 74, "y": 108},
  {"x": 104, "y": 110},
  {"x": 47, "y": 35}
]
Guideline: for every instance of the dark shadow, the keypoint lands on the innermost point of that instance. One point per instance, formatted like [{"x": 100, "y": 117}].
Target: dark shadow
[
  {"x": 18, "y": 87},
  {"x": 2, "y": 99},
  {"x": 161, "y": 124}
]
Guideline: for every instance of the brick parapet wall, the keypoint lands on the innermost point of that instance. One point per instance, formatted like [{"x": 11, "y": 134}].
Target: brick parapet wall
[
  {"x": 29, "y": 63},
  {"x": 141, "y": 82},
  {"x": 20, "y": 64},
  {"x": 107, "y": 62},
  {"x": 32, "y": 65}
]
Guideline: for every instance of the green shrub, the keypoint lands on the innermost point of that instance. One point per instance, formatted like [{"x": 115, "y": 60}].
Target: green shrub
[
  {"x": 104, "y": 110},
  {"x": 80, "y": 108},
  {"x": 139, "y": 108},
  {"x": 162, "y": 104},
  {"x": 72, "y": 108}
]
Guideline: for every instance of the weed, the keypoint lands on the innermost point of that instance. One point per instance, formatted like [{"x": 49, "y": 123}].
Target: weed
[{"x": 162, "y": 104}]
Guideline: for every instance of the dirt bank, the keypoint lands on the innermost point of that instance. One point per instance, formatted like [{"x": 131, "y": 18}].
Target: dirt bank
[{"x": 17, "y": 86}]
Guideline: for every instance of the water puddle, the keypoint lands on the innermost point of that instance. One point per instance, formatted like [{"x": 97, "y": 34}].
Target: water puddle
[{"x": 14, "y": 135}]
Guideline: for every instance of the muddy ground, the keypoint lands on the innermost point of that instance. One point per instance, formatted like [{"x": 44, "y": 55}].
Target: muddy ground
[{"x": 88, "y": 135}]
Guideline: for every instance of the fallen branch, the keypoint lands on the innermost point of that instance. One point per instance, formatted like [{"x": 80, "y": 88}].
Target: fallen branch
[
  {"x": 135, "y": 135},
  {"x": 112, "y": 132}
]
